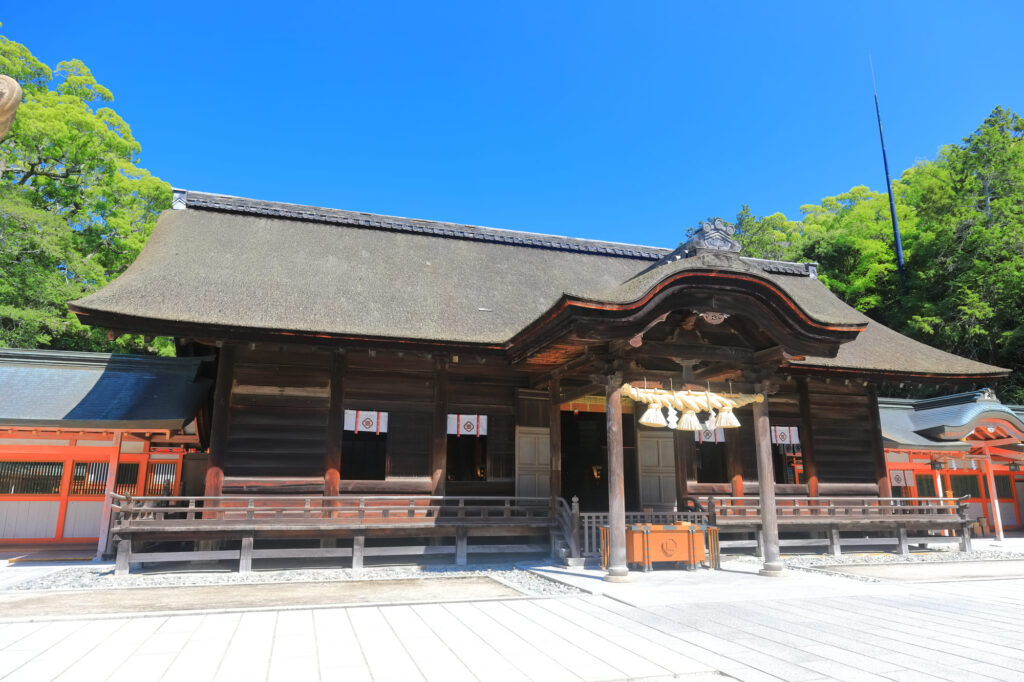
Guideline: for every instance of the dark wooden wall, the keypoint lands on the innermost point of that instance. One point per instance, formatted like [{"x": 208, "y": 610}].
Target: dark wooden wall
[
  {"x": 277, "y": 422},
  {"x": 840, "y": 441},
  {"x": 280, "y": 398}
]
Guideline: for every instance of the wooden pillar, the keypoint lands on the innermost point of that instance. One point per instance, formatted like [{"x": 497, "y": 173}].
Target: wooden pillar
[
  {"x": 358, "y": 551},
  {"x": 685, "y": 451},
  {"x": 108, "y": 489},
  {"x": 122, "y": 563},
  {"x": 555, "y": 435},
  {"x": 877, "y": 447},
  {"x": 245, "y": 554},
  {"x": 335, "y": 426},
  {"x": 67, "y": 470},
  {"x": 993, "y": 495},
  {"x": 439, "y": 448},
  {"x": 766, "y": 487},
  {"x": 834, "y": 544},
  {"x": 807, "y": 438},
  {"x": 901, "y": 541},
  {"x": 461, "y": 546},
  {"x": 617, "y": 568},
  {"x": 734, "y": 461},
  {"x": 219, "y": 421}
]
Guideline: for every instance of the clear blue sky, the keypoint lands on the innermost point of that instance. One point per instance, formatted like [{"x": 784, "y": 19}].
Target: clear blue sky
[{"x": 621, "y": 121}]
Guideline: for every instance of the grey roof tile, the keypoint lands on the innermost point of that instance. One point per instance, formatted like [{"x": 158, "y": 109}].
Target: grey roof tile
[{"x": 98, "y": 390}]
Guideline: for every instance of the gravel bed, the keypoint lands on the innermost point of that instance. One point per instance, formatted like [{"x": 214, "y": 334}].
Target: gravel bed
[
  {"x": 102, "y": 577},
  {"x": 851, "y": 558}
]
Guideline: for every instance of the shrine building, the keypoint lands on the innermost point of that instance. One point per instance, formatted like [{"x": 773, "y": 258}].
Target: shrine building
[{"x": 371, "y": 362}]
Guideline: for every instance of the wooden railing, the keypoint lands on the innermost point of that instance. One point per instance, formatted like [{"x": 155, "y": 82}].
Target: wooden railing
[
  {"x": 831, "y": 514},
  {"x": 233, "y": 527},
  {"x": 725, "y": 510},
  {"x": 342, "y": 510},
  {"x": 590, "y": 525},
  {"x": 567, "y": 521}
]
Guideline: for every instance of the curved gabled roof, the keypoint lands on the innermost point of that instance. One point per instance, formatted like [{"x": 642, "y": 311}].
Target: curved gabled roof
[
  {"x": 944, "y": 422},
  {"x": 226, "y": 267}
]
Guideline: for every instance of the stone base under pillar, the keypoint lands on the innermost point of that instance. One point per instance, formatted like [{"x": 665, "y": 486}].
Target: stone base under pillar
[
  {"x": 618, "y": 577},
  {"x": 772, "y": 572}
]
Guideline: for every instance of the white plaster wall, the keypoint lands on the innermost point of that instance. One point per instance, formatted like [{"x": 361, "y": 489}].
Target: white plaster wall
[
  {"x": 82, "y": 519},
  {"x": 32, "y": 519},
  {"x": 1008, "y": 512}
]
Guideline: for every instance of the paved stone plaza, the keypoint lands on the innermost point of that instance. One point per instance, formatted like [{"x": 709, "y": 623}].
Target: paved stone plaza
[{"x": 665, "y": 624}]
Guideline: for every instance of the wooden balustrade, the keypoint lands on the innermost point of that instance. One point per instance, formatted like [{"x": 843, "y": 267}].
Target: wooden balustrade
[
  {"x": 591, "y": 522},
  {"x": 725, "y": 509},
  {"x": 338, "y": 510},
  {"x": 426, "y": 525}
]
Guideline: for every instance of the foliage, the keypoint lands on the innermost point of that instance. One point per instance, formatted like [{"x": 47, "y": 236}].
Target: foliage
[
  {"x": 961, "y": 220},
  {"x": 75, "y": 207}
]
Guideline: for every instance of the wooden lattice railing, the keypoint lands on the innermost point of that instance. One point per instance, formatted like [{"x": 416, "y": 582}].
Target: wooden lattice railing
[
  {"x": 342, "y": 510},
  {"x": 837, "y": 509},
  {"x": 590, "y": 525}
]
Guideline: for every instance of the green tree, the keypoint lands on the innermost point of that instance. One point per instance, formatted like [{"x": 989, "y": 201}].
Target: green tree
[
  {"x": 962, "y": 222},
  {"x": 76, "y": 206},
  {"x": 774, "y": 237}
]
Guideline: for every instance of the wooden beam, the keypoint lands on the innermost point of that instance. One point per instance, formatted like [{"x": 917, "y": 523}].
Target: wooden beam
[
  {"x": 766, "y": 488},
  {"x": 877, "y": 445},
  {"x": 734, "y": 462},
  {"x": 555, "y": 435},
  {"x": 719, "y": 371},
  {"x": 335, "y": 426},
  {"x": 810, "y": 462},
  {"x": 685, "y": 451},
  {"x": 439, "y": 449},
  {"x": 115, "y": 455},
  {"x": 219, "y": 425},
  {"x": 617, "y": 568},
  {"x": 690, "y": 351},
  {"x": 564, "y": 369},
  {"x": 574, "y": 392},
  {"x": 993, "y": 497}
]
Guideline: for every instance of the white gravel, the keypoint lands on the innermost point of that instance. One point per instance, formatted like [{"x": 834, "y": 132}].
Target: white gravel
[
  {"x": 851, "y": 558},
  {"x": 93, "y": 577}
]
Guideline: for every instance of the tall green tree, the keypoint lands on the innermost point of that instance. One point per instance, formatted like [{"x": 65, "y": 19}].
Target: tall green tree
[
  {"x": 75, "y": 206},
  {"x": 962, "y": 222}
]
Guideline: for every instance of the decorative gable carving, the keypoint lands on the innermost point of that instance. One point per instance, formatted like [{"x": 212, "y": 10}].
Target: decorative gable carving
[{"x": 713, "y": 234}]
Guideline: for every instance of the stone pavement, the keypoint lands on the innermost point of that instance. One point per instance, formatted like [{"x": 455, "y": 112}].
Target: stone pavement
[{"x": 699, "y": 625}]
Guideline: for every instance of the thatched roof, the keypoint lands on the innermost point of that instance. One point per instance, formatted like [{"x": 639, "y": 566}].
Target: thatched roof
[{"x": 234, "y": 267}]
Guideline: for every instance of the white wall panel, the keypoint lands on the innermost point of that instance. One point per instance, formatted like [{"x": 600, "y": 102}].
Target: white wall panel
[
  {"x": 20, "y": 519},
  {"x": 82, "y": 519}
]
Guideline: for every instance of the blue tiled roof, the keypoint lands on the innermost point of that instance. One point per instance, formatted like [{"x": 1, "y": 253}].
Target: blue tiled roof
[{"x": 55, "y": 388}]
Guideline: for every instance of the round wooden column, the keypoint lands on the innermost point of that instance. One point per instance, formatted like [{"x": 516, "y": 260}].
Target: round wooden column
[
  {"x": 617, "y": 568},
  {"x": 555, "y": 436},
  {"x": 766, "y": 488}
]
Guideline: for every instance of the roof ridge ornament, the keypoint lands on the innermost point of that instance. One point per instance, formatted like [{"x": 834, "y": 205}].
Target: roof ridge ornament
[{"x": 715, "y": 234}]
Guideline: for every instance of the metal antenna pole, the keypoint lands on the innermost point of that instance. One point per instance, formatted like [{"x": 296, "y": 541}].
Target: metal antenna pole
[{"x": 888, "y": 186}]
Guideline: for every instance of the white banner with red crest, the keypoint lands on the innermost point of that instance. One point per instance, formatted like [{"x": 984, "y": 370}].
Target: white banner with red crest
[
  {"x": 706, "y": 435},
  {"x": 363, "y": 421},
  {"x": 785, "y": 435},
  {"x": 467, "y": 425}
]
